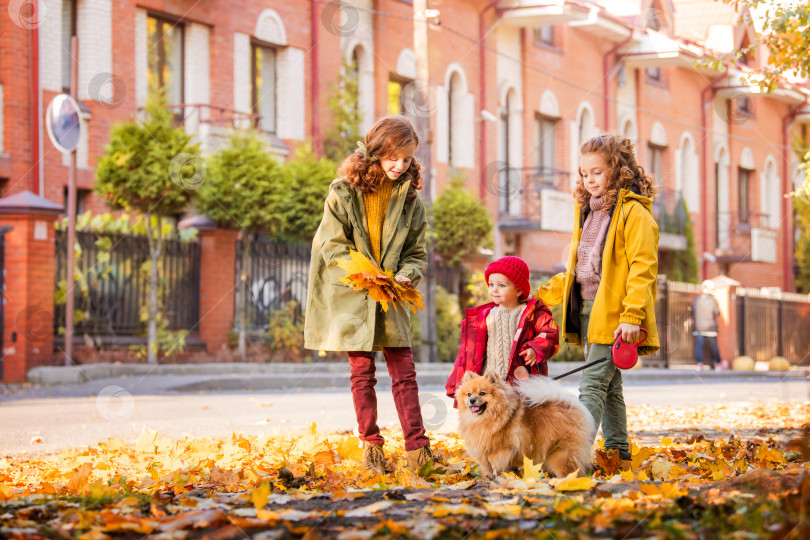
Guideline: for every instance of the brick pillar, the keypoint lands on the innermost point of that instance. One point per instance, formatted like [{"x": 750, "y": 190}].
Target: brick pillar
[
  {"x": 30, "y": 267},
  {"x": 725, "y": 293},
  {"x": 217, "y": 280}
]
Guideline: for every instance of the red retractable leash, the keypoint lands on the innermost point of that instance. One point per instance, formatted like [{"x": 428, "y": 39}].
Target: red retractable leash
[{"x": 624, "y": 355}]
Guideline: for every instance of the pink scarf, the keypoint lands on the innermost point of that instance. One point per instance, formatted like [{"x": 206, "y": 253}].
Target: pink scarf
[{"x": 589, "y": 254}]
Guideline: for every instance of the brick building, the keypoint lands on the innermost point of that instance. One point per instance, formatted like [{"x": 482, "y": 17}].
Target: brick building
[{"x": 515, "y": 87}]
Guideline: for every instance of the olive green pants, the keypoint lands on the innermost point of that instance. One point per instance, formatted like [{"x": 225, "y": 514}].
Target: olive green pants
[{"x": 600, "y": 388}]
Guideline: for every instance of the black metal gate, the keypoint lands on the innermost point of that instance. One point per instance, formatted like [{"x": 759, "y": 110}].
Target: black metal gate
[
  {"x": 674, "y": 325},
  {"x": 3, "y": 231},
  {"x": 113, "y": 288},
  {"x": 773, "y": 323},
  {"x": 276, "y": 273}
]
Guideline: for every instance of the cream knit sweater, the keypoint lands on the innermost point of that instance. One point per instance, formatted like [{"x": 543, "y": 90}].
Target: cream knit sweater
[{"x": 501, "y": 327}]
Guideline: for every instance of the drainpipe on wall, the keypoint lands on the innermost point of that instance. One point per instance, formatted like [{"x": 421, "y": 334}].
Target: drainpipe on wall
[
  {"x": 606, "y": 77},
  {"x": 787, "y": 252},
  {"x": 483, "y": 86},
  {"x": 704, "y": 270},
  {"x": 316, "y": 132},
  {"x": 36, "y": 108}
]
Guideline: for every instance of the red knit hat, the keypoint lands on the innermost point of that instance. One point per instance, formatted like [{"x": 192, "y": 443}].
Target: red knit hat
[{"x": 513, "y": 268}]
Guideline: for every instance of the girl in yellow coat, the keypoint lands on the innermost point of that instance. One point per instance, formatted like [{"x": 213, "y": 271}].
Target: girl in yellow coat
[{"x": 609, "y": 286}]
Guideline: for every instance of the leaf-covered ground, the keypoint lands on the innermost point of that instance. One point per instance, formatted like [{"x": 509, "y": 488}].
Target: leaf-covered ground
[{"x": 736, "y": 471}]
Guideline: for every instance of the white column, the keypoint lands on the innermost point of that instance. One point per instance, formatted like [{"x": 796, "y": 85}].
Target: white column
[
  {"x": 442, "y": 124},
  {"x": 141, "y": 58},
  {"x": 241, "y": 73},
  {"x": 291, "y": 85},
  {"x": 197, "y": 83},
  {"x": 94, "y": 28}
]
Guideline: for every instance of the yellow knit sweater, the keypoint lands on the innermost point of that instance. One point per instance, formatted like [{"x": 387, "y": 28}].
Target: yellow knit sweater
[{"x": 376, "y": 206}]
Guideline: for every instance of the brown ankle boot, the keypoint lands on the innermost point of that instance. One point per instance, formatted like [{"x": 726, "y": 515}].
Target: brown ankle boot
[
  {"x": 420, "y": 456},
  {"x": 625, "y": 459},
  {"x": 373, "y": 457}
]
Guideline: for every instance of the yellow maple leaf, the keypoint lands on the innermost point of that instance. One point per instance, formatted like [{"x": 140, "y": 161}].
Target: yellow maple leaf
[
  {"x": 665, "y": 490},
  {"x": 99, "y": 489},
  {"x": 411, "y": 297},
  {"x": 362, "y": 274},
  {"x": 572, "y": 482},
  {"x": 640, "y": 455},
  {"x": 146, "y": 441},
  {"x": 660, "y": 469},
  {"x": 350, "y": 448},
  {"x": 444, "y": 510},
  {"x": 530, "y": 470},
  {"x": 260, "y": 496},
  {"x": 5, "y": 492},
  {"x": 392, "y": 528},
  {"x": 78, "y": 481}
]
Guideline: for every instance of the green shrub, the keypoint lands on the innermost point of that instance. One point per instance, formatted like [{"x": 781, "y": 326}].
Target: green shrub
[
  {"x": 448, "y": 325},
  {"x": 461, "y": 223},
  {"x": 285, "y": 332}
]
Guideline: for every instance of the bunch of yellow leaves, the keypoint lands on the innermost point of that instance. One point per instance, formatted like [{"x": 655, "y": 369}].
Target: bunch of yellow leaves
[{"x": 363, "y": 275}]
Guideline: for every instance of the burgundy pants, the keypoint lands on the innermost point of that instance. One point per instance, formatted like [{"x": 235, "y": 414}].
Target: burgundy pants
[{"x": 403, "y": 385}]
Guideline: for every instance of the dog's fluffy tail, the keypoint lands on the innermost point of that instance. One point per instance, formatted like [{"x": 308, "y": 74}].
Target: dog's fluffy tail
[{"x": 538, "y": 389}]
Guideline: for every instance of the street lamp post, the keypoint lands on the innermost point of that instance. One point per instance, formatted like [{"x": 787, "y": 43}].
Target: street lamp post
[{"x": 422, "y": 117}]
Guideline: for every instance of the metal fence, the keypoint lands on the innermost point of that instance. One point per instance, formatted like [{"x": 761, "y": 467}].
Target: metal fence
[
  {"x": 773, "y": 323},
  {"x": 672, "y": 306},
  {"x": 3, "y": 231},
  {"x": 277, "y": 272},
  {"x": 114, "y": 288},
  {"x": 451, "y": 279}
]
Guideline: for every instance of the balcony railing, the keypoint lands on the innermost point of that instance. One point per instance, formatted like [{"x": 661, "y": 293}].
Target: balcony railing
[
  {"x": 214, "y": 115},
  {"x": 745, "y": 238},
  {"x": 670, "y": 212},
  {"x": 528, "y": 198},
  {"x": 194, "y": 114}
]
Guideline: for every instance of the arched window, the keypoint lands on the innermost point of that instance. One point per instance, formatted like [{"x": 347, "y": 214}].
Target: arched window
[
  {"x": 586, "y": 126},
  {"x": 509, "y": 151},
  {"x": 629, "y": 130},
  {"x": 722, "y": 199},
  {"x": 454, "y": 120},
  {"x": 456, "y": 93},
  {"x": 770, "y": 194},
  {"x": 687, "y": 181}
]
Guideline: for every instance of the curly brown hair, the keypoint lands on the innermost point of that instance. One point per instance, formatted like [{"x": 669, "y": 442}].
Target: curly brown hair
[
  {"x": 386, "y": 138},
  {"x": 623, "y": 172}
]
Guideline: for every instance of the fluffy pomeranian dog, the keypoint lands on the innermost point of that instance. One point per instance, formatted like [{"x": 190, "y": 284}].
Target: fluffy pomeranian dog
[{"x": 537, "y": 419}]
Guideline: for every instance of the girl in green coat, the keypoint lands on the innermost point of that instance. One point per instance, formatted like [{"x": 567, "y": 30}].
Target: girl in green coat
[{"x": 373, "y": 208}]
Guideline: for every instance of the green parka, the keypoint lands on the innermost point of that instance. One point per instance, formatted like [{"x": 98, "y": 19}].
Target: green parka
[{"x": 339, "y": 318}]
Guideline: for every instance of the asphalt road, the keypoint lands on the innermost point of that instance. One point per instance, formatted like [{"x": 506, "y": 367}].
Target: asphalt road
[{"x": 68, "y": 422}]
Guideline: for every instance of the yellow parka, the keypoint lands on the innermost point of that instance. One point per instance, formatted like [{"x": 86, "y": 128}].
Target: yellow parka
[{"x": 629, "y": 277}]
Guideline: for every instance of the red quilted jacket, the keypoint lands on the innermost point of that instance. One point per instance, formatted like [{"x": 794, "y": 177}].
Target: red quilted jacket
[{"x": 536, "y": 329}]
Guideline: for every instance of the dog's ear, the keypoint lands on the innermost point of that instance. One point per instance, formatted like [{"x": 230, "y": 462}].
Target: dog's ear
[
  {"x": 468, "y": 376},
  {"x": 491, "y": 377}
]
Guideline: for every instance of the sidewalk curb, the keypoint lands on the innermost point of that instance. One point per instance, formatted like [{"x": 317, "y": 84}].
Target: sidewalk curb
[{"x": 336, "y": 375}]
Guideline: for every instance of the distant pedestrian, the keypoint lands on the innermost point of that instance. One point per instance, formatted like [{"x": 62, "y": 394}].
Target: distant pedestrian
[{"x": 704, "y": 313}]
